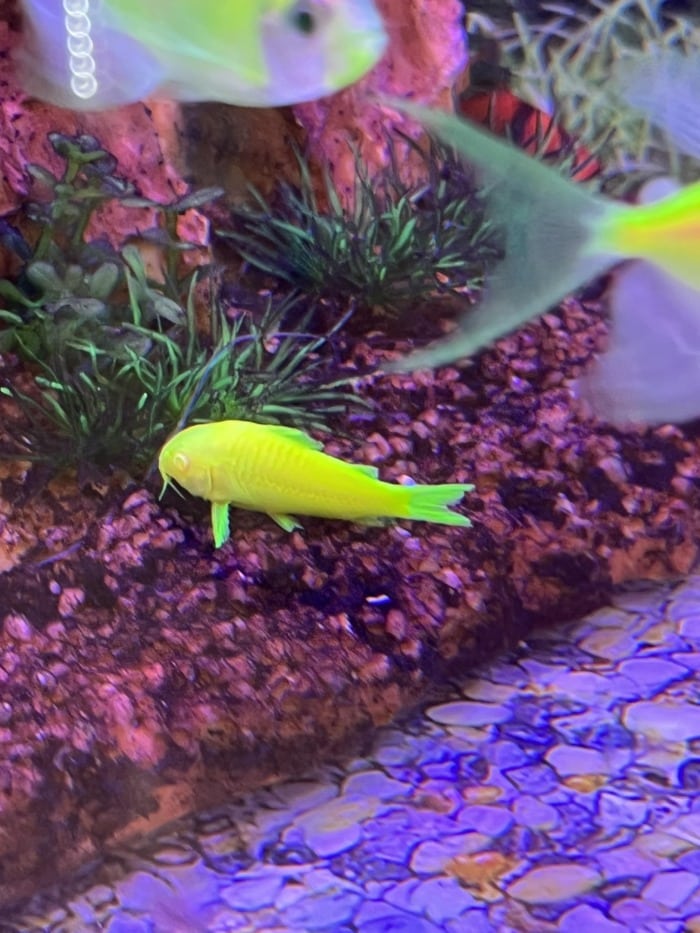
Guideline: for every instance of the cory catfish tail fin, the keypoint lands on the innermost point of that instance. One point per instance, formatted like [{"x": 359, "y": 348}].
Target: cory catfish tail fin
[{"x": 430, "y": 503}]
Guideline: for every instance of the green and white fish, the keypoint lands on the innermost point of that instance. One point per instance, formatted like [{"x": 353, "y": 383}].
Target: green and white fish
[
  {"x": 557, "y": 237},
  {"x": 96, "y": 54}
]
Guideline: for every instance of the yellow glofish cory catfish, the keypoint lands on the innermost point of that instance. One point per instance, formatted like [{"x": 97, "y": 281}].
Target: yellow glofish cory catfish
[
  {"x": 557, "y": 237},
  {"x": 284, "y": 472},
  {"x": 96, "y": 54}
]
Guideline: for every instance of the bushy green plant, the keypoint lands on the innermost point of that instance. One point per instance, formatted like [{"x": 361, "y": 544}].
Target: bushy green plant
[
  {"x": 393, "y": 247},
  {"x": 118, "y": 359},
  {"x": 561, "y": 57}
]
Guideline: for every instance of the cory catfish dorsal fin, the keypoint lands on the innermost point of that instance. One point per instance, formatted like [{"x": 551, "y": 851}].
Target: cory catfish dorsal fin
[
  {"x": 366, "y": 470},
  {"x": 304, "y": 440},
  {"x": 294, "y": 435}
]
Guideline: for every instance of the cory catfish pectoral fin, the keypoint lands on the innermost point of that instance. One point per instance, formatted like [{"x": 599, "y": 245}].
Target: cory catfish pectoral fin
[
  {"x": 220, "y": 522},
  {"x": 285, "y": 521}
]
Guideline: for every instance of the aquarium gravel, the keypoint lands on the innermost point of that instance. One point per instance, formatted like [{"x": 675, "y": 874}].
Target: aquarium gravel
[{"x": 555, "y": 790}]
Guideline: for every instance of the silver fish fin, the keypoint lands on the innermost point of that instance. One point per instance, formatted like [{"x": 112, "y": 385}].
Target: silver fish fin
[
  {"x": 92, "y": 67},
  {"x": 549, "y": 229},
  {"x": 650, "y": 373}
]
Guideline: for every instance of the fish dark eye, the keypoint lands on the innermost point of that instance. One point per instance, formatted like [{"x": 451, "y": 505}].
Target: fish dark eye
[{"x": 304, "y": 18}]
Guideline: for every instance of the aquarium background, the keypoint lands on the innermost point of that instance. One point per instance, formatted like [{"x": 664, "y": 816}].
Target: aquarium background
[{"x": 388, "y": 727}]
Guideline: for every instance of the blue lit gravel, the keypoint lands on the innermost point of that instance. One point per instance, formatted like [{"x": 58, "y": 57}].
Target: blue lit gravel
[{"x": 558, "y": 791}]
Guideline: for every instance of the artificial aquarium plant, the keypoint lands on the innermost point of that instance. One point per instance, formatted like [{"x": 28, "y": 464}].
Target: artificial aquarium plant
[
  {"x": 395, "y": 245},
  {"x": 119, "y": 357}
]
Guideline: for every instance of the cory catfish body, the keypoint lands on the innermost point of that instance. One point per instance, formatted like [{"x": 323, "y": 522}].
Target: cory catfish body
[{"x": 283, "y": 472}]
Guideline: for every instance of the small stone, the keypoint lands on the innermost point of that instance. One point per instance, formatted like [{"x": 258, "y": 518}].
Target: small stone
[
  {"x": 689, "y": 627},
  {"x": 335, "y": 827},
  {"x": 396, "y": 624},
  {"x": 482, "y": 793},
  {"x": 689, "y": 774},
  {"x": 70, "y": 599},
  {"x": 688, "y": 827},
  {"x": 322, "y": 911},
  {"x": 392, "y": 754},
  {"x": 653, "y": 673},
  {"x": 569, "y": 759},
  {"x": 431, "y": 857},
  {"x": 531, "y": 812},
  {"x": 510, "y": 674},
  {"x": 450, "y": 578},
  {"x": 99, "y": 895},
  {"x": 488, "y": 692},
  {"x": 587, "y": 919},
  {"x": 467, "y": 714},
  {"x": 671, "y": 888},
  {"x": 492, "y": 821},
  {"x": 614, "y": 811},
  {"x": 689, "y": 659},
  {"x": 480, "y": 869},
  {"x": 609, "y": 644},
  {"x": 506, "y": 754},
  {"x": 374, "y": 784},
  {"x": 586, "y": 783},
  {"x": 648, "y": 599},
  {"x": 123, "y": 924},
  {"x": 395, "y": 921},
  {"x": 536, "y": 780},
  {"x": 592, "y": 688},
  {"x": 18, "y": 627},
  {"x": 663, "y": 843},
  {"x": 663, "y": 721},
  {"x": 252, "y": 893},
  {"x": 441, "y": 899},
  {"x": 637, "y": 914},
  {"x": 475, "y": 921},
  {"x": 140, "y": 497},
  {"x": 299, "y": 796},
  {"x": 550, "y": 884}
]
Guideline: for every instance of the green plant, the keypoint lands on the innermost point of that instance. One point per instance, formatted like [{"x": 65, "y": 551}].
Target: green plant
[
  {"x": 393, "y": 247},
  {"x": 118, "y": 359},
  {"x": 70, "y": 284},
  {"x": 562, "y": 55},
  {"x": 116, "y": 410}
]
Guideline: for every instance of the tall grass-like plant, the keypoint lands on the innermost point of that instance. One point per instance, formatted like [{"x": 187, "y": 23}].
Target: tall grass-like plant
[
  {"x": 120, "y": 360},
  {"x": 395, "y": 246}
]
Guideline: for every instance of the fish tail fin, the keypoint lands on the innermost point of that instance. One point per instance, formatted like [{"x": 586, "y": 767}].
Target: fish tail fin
[
  {"x": 549, "y": 226},
  {"x": 650, "y": 373},
  {"x": 430, "y": 503},
  {"x": 663, "y": 84},
  {"x": 78, "y": 61}
]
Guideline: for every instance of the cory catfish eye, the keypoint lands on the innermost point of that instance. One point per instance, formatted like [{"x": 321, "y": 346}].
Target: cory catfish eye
[{"x": 181, "y": 461}]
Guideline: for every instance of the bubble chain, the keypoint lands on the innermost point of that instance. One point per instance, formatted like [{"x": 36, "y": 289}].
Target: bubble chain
[{"x": 80, "y": 61}]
